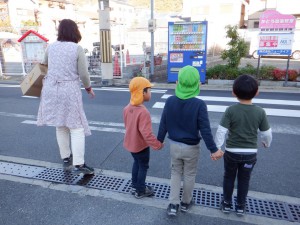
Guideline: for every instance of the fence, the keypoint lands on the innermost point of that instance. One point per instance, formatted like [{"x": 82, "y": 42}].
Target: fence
[
  {"x": 21, "y": 68},
  {"x": 18, "y": 67}
]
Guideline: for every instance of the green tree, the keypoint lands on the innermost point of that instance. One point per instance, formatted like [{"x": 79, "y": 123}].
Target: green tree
[{"x": 237, "y": 47}]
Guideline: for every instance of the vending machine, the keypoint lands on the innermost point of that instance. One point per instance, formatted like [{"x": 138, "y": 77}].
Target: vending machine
[{"x": 187, "y": 45}]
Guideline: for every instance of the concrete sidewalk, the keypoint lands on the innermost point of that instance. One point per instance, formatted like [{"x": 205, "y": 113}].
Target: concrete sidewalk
[
  {"x": 25, "y": 203},
  {"x": 35, "y": 202}
]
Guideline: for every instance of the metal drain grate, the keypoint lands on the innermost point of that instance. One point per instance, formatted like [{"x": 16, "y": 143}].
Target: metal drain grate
[
  {"x": 267, "y": 208},
  {"x": 105, "y": 183},
  {"x": 57, "y": 176},
  {"x": 295, "y": 212},
  {"x": 272, "y": 209},
  {"x": 20, "y": 169},
  {"x": 207, "y": 198}
]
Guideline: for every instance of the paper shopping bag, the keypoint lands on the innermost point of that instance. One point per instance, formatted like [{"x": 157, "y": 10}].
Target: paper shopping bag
[{"x": 33, "y": 82}]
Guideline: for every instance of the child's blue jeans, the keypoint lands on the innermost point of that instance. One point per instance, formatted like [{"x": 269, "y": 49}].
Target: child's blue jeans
[
  {"x": 240, "y": 166},
  {"x": 139, "y": 169}
]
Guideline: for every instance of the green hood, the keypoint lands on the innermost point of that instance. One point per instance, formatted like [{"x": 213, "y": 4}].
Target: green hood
[{"x": 188, "y": 83}]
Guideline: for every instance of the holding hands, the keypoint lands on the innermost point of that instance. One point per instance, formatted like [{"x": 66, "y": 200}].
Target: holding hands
[
  {"x": 162, "y": 145},
  {"x": 217, "y": 155}
]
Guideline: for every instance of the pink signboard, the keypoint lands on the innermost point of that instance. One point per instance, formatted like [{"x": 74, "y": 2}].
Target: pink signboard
[{"x": 271, "y": 19}]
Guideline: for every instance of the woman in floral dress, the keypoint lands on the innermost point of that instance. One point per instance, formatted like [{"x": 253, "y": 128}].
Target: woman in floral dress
[{"x": 61, "y": 99}]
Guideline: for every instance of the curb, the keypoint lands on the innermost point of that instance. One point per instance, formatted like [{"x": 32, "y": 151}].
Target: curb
[{"x": 221, "y": 85}]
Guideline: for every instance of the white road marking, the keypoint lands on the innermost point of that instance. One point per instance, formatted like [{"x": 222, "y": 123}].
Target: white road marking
[
  {"x": 106, "y": 129},
  {"x": 9, "y": 85},
  {"x": 119, "y": 127},
  {"x": 18, "y": 115},
  {"x": 26, "y": 96},
  {"x": 221, "y": 108},
  {"x": 158, "y": 105},
  {"x": 155, "y": 119},
  {"x": 255, "y": 100},
  {"x": 106, "y": 124},
  {"x": 276, "y": 128}
]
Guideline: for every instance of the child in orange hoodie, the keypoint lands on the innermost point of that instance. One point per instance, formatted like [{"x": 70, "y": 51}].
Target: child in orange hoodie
[{"x": 139, "y": 135}]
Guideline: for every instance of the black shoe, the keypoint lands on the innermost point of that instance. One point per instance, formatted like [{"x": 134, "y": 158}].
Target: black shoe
[
  {"x": 147, "y": 193},
  {"x": 133, "y": 191},
  {"x": 225, "y": 207},
  {"x": 184, "y": 207},
  {"x": 240, "y": 210},
  {"x": 172, "y": 209},
  {"x": 67, "y": 163},
  {"x": 83, "y": 169}
]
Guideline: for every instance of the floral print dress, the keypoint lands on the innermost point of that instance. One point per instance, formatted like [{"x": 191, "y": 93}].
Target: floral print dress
[{"x": 61, "y": 97}]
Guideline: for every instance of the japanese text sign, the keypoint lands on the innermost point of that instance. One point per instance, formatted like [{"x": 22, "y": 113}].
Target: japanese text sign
[
  {"x": 277, "y": 43},
  {"x": 271, "y": 19}
]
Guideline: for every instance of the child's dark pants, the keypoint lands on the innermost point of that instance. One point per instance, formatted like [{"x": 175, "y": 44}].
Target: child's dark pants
[
  {"x": 139, "y": 169},
  {"x": 239, "y": 165}
]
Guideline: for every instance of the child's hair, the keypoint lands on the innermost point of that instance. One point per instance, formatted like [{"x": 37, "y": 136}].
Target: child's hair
[
  {"x": 145, "y": 89},
  {"x": 245, "y": 87}
]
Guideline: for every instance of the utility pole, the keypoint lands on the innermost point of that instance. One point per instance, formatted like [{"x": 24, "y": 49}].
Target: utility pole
[
  {"x": 152, "y": 39},
  {"x": 105, "y": 43}
]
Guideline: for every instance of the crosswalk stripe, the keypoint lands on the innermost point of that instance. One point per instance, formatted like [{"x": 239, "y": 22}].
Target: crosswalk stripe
[
  {"x": 9, "y": 85},
  {"x": 26, "y": 96},
  {"x": 106, "y": 129},
  {"x": 220, "y": 108},
  {"x": 154, "y": 119},
  {"x": 17, "y": 115},
  {"x": 255, "y": 100},
  {"x": 276, "y": 128},
  {"x": 106, "y": 124}
]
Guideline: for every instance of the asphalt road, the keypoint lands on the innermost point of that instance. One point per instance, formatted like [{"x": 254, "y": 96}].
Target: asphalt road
[{"x": 277, "y": 170}]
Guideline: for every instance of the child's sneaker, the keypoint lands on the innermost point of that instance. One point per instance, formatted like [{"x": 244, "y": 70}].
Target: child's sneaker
[
  {"x": 172, "y": 209},
  {"x": 133, "y": 191},
  {"x": 148, "y": 192},
  {"x": 225, "y": 207},
  {"x": 184, "y": 207},
  {"x": 67, "y": 163},
  {"x": 86, "y": 170},
  {"x": 240, "y": 210}
]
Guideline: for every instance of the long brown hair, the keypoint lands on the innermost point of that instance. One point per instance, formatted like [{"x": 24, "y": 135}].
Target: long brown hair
[{"x": 68, "y": 31}]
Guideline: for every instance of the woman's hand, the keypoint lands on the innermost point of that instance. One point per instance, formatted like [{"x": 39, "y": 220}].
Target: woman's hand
[{"x": 90, "y": 91}]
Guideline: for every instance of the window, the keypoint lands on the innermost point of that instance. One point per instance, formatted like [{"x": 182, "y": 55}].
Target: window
[{"x": 256, "y": 24}]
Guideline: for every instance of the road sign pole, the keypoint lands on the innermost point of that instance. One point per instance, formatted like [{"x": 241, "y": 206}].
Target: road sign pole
[
  {"x": 257, "y": 70},
  {"x": 287, "y": 71}
]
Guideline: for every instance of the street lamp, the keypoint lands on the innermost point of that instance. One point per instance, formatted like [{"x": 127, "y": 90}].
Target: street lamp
[{"x": 152, "y": 40}]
